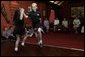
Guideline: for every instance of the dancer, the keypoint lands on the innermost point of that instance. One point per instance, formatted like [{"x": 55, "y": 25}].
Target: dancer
[
  {"x": 19, "y": 29},
  {"x": 36, "y": 22}
]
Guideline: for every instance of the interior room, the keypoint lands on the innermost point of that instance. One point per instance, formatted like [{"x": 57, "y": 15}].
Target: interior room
[{"x": 42, "y": 28}]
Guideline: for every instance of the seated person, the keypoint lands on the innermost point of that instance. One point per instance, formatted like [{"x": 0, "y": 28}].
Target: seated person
[
  {"x": 65, "y": 24},
  {"x": 56, "y": 24},
  {"x": 76, "y": 24},
  {"x": 46, "y": 25},
  {"x": 4, "y": 32},
  {"x": 8, "y": 33}
]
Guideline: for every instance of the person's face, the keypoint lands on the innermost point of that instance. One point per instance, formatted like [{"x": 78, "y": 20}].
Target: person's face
[{"x": 34, "y": 8}]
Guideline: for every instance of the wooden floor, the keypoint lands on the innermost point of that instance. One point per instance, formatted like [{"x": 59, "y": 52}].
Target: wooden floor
[{"x": 7, "y": 49}]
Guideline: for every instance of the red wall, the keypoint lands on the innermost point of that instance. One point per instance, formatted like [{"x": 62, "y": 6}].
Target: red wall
[
  {"x": 11, "y": 6},
  {"x": 3, "y": 22},
  {"x": 65, "y": 8}
]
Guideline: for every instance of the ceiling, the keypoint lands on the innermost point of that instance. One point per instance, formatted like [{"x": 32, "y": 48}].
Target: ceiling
[{"x": 57, "y": 2}]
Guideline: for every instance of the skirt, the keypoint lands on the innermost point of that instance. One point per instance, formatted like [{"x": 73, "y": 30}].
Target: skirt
[{"x": 19, "y": 30}]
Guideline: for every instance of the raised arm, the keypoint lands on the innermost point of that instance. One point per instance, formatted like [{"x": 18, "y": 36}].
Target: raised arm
[{"x": 25, "y": 15}]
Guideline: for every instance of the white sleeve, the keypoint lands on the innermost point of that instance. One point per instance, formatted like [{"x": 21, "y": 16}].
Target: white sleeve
[
  {"x": 73, "y": 21},
  {"x": 79, "y": 22}
]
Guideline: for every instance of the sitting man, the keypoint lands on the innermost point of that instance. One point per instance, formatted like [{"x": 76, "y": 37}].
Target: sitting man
[
  {"x": 56, "y": 24},
  {"x": 65, "y": 24},
  {"x": 76, "y": 23}
]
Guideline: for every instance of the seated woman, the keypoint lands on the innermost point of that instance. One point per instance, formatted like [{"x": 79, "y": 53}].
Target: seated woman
[{"x": 8, "y": 33}]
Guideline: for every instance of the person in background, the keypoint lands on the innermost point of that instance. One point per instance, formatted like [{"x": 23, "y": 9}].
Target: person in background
[
  {"x": 8, "y": 33},
  {"x": 56, "y": 24},
  {"x": 46, "y": 25},
  {"x": 65, "y": 24},
  {"x": 76, "y": 24},
  {"x": 4, "y": 33}
]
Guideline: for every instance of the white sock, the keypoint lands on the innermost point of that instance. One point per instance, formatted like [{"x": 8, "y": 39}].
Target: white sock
[
  {"x": 31, "y": 35},
  {"x": 40, "y": 42},
  {"x": 16, "y": 49},
  {"x": 22, "y": 43}
]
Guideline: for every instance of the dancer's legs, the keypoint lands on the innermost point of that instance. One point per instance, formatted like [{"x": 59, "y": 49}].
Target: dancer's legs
[
  {"x": 17, "y": 42},
  {"x": 40, "y": 38},
  {"x": 23, "y": 41}
]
